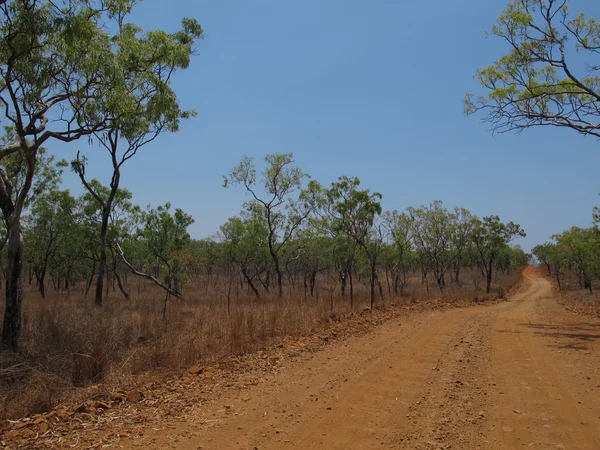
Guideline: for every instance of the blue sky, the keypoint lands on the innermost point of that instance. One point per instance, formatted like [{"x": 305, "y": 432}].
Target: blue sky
[{"x": 368, "y": 89}]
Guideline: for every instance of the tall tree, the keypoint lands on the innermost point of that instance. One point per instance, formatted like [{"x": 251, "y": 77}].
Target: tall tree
[
  {"x": 150, "y": 63},
  {"x": 550, "y": 76},
  {"x": 118, "y": 226},
  {"x": 59, "y": 61}
]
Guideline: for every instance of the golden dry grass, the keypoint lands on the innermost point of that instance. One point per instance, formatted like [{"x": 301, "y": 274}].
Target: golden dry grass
[{"x": 68, "y": 344}]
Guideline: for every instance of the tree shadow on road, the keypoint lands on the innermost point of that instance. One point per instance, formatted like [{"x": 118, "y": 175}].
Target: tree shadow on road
[{"x": 575, "y": 336}]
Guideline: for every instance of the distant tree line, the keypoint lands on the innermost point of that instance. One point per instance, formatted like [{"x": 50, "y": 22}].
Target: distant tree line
[{"x": 290, "y": 229}]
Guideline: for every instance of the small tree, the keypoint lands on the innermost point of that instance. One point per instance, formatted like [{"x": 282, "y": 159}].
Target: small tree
[
  {"x": 104, "y": 232},
  {"x": 51, "y": 216},
  {"x": 245, "y": 242},
  {"x": 164, "y": 235},
  {"x": 354, "y": 212},
  {"x": 543, "y": 254},
  {"x": 398, "y": 230},
  {"x": 315, "y": 255},
  {"x": 490, "y": 237}
]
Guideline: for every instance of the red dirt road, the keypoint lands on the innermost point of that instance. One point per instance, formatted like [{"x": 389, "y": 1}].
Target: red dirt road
[{"x": 521, "y": 374}]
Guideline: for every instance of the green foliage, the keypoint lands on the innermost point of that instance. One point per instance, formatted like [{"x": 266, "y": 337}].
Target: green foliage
[
  {"x": 164, "y": 237},
  {"x": 537, "y": 82},
  {"x": 576, "y": 250},
  {"x": 77, "y": 69},
  {"x": 491, "y": 237},
  {"x": 352, "y": 211},
  {"x": 46, "y": 177},
  {"x": 440, "y": 236},
  {"x": 277, "y": 201}
]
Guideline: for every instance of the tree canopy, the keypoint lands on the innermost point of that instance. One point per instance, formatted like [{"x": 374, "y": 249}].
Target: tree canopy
[{"x": 549, "y": 76}]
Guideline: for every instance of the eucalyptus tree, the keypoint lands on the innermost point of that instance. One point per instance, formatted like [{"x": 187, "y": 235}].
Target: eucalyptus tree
[
  {"x": 47, "y": 176},
  {"x": 63, "y": 75},
  {"x": 149, "y": 63},
  {"x": 316, "y": 251},
  {"x": 549, "y": 76},
  {"x": 51, "y": 216},
  {"x": 278, "y": 200},
  {"x": 464, "y": 224},
  {"x": 567, "y": 252},
  {"x": 354, "y": 212},
  {"x": 343, "y": 247},
  {"x": 579, "y": 249},
  {"x": 441, "y": 237},
  {"x": 246, "y": 245},
  {"x": 490, "y": 237},
  {"x": 202, "y": 255},
  {"x": 543, "y": 254},
  {"x": 71, "y": 261},
  {"x": 397, "y": 226},
  {"x": 121, "y": 223},
  {"x": 164, "y": 235}
]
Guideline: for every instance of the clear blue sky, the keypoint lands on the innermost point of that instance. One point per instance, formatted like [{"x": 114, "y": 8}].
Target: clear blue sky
[{"x": 369, "y": 89}]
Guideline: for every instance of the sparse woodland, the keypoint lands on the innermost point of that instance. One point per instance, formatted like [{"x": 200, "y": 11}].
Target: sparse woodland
[
  {"x": 98, "y": 287},
  {"x": 297, "y": 255}
]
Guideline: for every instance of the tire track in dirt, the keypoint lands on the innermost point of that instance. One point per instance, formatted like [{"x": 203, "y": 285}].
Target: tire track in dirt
[
  {"x": 358, "y": 394},
  {"x": 547, "y": 367},
  {"x": 521, "y": 374}
]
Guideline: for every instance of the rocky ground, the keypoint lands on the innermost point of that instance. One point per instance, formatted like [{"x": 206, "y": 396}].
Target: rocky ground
[{"x": 518, "y": 374}]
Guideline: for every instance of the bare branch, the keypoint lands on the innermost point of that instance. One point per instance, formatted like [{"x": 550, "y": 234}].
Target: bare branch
[{"x": 119, "y": 251}]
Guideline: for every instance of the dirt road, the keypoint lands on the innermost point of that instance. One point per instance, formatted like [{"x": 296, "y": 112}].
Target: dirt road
[{"x": 521, "y": 374}]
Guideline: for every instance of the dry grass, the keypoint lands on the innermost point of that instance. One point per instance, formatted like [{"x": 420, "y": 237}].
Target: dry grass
[
  {"x": 68, "y": 344},
  {"x": 577, "y": 299}
]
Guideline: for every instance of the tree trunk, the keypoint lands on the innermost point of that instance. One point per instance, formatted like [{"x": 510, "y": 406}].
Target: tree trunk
[
  {"x": 441, "y": 280},
  {"x": 488, "y": 287},
  {"x": 305, "y": 286},
  {"x": 380, "y": 285},
  {"x": 121, "y": 287},
  {"x": 102, "y": 266},
  {"x": 279, "y": 283},
  {"x": 373, "y": 275},
  {"x": 387, "y": 278},
  {"x": 11, "y": 329},
  {"x": 250, "y": 284},
  {"x": 90, "y": 280},
  {"x": 351, "y": 291},
  {"x": 343, "y": 278},
  {"x": 41, "y": 283},
  {"x": 588, "y": 284}
]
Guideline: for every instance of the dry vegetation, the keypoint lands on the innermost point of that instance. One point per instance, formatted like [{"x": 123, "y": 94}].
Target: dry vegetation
[
  {"x": 68, "y": 344},
  {"x": 576, "y": 298}
]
